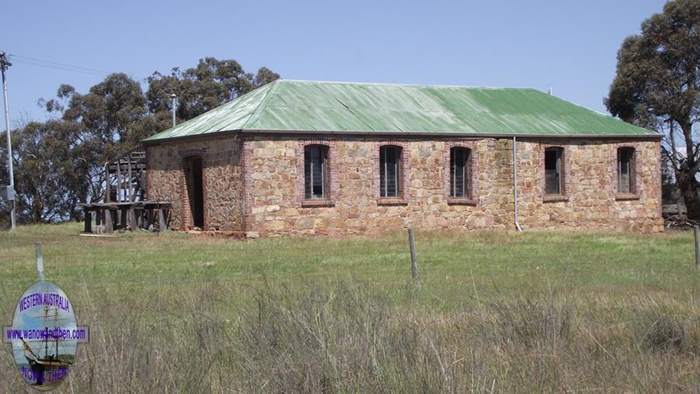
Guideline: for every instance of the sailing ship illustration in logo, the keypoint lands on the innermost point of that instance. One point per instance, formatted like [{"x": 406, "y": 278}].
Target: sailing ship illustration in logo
[
  {"x": 44, "y": 345},
  {"x": 53, "y": 365}
]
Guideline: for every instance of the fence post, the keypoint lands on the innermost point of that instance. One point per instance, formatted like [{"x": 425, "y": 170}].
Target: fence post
[
  {"x": 39, "y": 261},
  {"x": 414, "y": 263},
  {"x": 696, "y": 232}
]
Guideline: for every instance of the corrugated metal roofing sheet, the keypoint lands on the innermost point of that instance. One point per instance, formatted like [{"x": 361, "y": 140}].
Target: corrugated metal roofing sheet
[{"x": 340, "y": 107}]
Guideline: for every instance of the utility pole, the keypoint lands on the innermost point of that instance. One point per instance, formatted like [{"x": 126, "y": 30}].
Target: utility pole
[
  {"x": 173, "y": 97},
  {"x": 4, "y": 64}
]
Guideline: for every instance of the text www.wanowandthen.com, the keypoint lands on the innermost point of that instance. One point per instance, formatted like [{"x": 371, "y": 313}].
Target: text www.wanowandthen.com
[{"x": 79, "y": 334}]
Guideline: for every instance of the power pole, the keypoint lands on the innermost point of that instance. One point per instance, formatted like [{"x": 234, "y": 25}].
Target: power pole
[{"x": 4, "y": 64}]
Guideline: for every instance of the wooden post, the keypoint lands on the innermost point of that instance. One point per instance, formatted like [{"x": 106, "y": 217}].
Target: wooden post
[
  {"x": 131, "y": 219},
  {"x": 696, "y": 232},
  {"x": 139, "y": 217},
  {"x": 148, "y": 217},
  {"x": 123, "y": 220},
  {"x": 88, "y": 220},
  {"x": 131, "y": 192},
  {"x": 414, "y": 263},
  {"x": 142, "y": 186},
  {"x": 108, "y": 221},
  {"x": 119, "y": 180},
  {"x": 108, "y": 180},
  {"x": 161, "y": 220}
]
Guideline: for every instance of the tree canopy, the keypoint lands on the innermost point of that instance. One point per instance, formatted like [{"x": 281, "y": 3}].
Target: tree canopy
[
  {"x": 657, "y": 85},
  {"x": 59, "y": 163}
]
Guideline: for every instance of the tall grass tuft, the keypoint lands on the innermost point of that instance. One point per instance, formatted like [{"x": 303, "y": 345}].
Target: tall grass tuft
[
  {"x": 665, "y": 332},
  {"x": 346, "y": 336}
]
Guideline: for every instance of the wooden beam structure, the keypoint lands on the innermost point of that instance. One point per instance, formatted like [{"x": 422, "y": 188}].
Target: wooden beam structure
[
  {"x": 125, "y": 178},
  {"x": 124, "y": 205},
  {"x": 147, "y": 215}
]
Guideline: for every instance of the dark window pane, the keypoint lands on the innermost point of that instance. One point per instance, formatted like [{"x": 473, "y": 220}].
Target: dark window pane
[
  {"x": 389, "y": 161},
  {"x": 625, "y": 170},
  {"x": 459, "y": 172},
  {"x": 315, "y": 162},
  {"x": 552, "y": 171}
]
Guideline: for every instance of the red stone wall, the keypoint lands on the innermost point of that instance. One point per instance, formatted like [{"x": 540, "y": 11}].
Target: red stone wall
[
  {"x": 591, "y": 200},
  {"x": 222, "y": 181},
  {"x": 275, "y": 204},
  {"x": 256, "y": 185}
]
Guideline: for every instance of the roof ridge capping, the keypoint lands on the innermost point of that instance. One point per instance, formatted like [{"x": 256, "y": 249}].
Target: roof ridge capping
[{"x": 408, "y": 85}]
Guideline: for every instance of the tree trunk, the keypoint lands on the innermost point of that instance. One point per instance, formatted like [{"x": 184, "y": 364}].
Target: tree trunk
[
  {"x": 688, "y": 187},
  {"x": 687, "y": 183}
]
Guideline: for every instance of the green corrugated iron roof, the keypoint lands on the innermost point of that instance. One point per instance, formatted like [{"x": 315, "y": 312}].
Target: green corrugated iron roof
[{"x": 367, "y": 108}]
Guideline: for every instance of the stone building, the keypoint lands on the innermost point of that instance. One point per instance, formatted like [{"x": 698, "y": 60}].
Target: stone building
[{"x": 302, "y": 157}]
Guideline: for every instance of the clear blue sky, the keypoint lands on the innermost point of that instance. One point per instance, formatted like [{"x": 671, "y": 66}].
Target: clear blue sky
[{"x": 568, "y": 45}]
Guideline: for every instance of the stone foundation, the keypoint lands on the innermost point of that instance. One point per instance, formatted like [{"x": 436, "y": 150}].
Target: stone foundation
[{"x": 255, "y": 185}]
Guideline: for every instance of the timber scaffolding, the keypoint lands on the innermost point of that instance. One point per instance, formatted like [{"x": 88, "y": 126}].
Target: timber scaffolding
[{"x": 124, "y": 205}]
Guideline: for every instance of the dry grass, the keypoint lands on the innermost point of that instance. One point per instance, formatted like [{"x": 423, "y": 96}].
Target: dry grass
[
  {"x": 344, "y": 337},
  {"x": 208, "y": 322}
]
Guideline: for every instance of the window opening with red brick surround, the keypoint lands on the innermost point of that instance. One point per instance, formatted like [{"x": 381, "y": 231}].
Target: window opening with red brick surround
[
  {"x": 316, "y": 172},
  {"x": 554, "y": 171},
  {"x": 625, "y": 170},
  {"x": 460, "y": 172},
  {"x": 390, "y": 171}
]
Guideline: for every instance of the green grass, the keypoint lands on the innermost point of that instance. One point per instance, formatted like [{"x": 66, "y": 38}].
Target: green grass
[
  {"x": 619, "y": 287},
  {"x": 454, "y": 267}
]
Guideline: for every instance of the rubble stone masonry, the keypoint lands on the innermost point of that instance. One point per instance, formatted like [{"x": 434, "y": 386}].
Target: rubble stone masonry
[
  {"x": 221, "y": 178},
  {"x": 255, "y": 185}
]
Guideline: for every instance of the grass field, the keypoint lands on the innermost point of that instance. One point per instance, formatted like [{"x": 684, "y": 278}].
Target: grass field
[{"x": 495, "y": 312}]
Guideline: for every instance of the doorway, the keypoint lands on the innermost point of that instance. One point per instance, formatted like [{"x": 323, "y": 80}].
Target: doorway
[{"x": 195, "y": 190}]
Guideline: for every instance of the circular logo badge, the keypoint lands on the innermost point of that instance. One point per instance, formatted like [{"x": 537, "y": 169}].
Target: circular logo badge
[{"x": 44, "y": 335}]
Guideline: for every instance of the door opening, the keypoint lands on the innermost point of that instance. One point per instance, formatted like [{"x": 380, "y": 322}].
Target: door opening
[{"x": 195, "y": 190}]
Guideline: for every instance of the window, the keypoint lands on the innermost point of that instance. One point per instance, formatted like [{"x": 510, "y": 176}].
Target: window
[
  {"x": 625, "y": 170},
  {"x": 389, "y": 171},
  {"x": 460, "y": 173},
  {"x": 554, "y": 171},
  {"x": 316, "y": 172}
]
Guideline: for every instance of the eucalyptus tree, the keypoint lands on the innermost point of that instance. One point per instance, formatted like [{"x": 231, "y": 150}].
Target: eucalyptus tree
[
  {"x": 657, "y": 85},
  {"x": 59, "y": 163}
]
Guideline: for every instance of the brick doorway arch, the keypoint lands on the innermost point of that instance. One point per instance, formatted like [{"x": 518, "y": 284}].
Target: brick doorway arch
[{"x": 194, "y": 182}]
